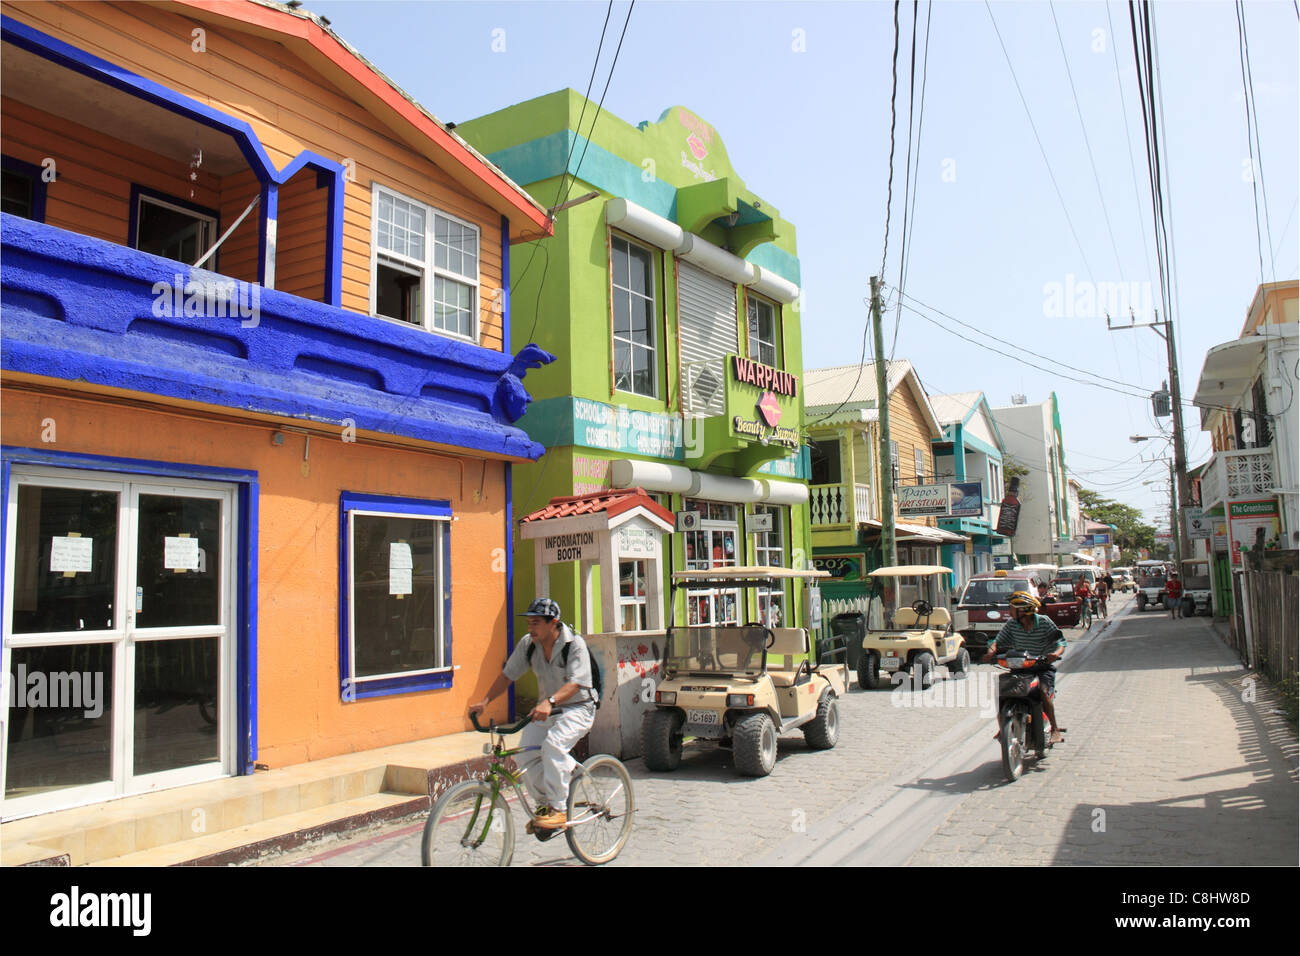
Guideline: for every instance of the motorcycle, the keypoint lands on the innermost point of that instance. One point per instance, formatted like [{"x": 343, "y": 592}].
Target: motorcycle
[{"x": 1020, "y": 709}]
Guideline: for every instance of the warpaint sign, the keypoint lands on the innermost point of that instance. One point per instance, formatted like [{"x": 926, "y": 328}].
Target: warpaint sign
[
  {"x": 764, "y": 376},
  {"x": 771, "y": 414}
]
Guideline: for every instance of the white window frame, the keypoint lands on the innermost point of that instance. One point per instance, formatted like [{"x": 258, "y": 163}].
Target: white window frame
[
  {"x": 442, "y": 663},
  {"x": 425, "y": 268},
  {"x": 615, "y": 340},
  {"x": 209, "y": 223},
  {"x": 753, "y": 302}
]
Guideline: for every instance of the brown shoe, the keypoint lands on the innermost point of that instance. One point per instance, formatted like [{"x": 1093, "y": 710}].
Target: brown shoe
[{"x": 552, "y": 820}]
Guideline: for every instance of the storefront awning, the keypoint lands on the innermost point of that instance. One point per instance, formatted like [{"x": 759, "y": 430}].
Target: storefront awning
[{"x": 920, "y": 532}]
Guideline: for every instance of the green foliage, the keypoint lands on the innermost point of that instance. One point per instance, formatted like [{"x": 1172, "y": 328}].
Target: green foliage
[
  {"x": 1012, "y": 469},
  {"x": 1131, "y": 533}
]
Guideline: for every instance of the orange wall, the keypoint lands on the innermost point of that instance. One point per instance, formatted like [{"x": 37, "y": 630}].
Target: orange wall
[
  {"x": 292, "y": 108},
  {"x": 300, "y": 715}
]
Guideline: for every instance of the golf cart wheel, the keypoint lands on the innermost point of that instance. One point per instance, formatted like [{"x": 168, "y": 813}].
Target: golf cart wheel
[
  {"x": 754, "y": 745},
  {"x": 823, "y": 732},
  {"x": 1142, "y": 602},
  {"x": 661, "y": 739},
  {"x": 923, "y": 669},
  {"x": 959, "y": 668},
  {"x": 869, "y": 670}
]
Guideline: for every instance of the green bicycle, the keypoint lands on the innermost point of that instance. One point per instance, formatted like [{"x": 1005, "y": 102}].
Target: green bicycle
[{"x": 470, "y": 825}]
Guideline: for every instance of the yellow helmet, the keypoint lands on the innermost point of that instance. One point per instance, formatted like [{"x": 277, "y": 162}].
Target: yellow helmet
[{"x": 1022, "y": 600}]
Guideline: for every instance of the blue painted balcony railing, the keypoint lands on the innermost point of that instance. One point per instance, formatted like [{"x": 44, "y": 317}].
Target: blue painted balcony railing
[{"x": 77, "y": 308}]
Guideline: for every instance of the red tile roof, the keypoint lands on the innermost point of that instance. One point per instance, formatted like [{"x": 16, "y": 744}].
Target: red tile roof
[{"x": 610, "y": 502}]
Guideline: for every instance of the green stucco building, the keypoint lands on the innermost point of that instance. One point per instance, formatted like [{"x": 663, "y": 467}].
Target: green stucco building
[{"x": 670, "y": 300}]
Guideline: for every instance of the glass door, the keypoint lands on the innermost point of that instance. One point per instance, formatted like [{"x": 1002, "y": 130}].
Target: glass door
[
  {"x": 117, "y": 649},
  {"x": 177, "y": 625}
]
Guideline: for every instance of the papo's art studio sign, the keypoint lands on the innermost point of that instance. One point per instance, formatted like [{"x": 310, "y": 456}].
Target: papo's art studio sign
[{"x": 919, "y": 500}]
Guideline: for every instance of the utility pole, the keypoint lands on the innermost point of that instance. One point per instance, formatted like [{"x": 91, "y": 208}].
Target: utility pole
[
  {"x": 1178, "y": 476},
  {"x": 888, "y": 541}
]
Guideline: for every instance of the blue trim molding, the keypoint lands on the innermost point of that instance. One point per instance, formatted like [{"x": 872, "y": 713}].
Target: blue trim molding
[
  {"x": 81, "y": 309},
  {"x": 350, "y": 690},
  {"x": 89, "y": 65},
  {"x": 244, "y": 630}
]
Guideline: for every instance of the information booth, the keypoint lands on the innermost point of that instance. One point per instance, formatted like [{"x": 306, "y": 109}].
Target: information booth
[{"x": 620, "y": 533}]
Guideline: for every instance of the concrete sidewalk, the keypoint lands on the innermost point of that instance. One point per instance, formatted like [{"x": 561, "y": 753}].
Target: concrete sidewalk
[
  {"x": 238, "y": 818},
  {"x": 1176, "y": 756}
]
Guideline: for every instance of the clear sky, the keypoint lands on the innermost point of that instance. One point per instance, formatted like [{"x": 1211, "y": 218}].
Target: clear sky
[{"x": 799, "y": 93}]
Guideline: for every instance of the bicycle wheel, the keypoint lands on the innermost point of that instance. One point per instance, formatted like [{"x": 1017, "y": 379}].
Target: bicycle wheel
[
  {"x": 600, "y": 810},
  {"x": 466, "y": 829}
]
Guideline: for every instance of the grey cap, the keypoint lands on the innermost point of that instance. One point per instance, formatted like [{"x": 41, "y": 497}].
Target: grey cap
[{"x": 543, "y": 607}]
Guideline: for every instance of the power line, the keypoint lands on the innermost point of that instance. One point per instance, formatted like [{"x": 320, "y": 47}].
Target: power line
[
  {"x": 1070, "y": 222},
  {"x": 587, "y": 142},
  {"x": 564, "y": 172},
  {"x": 608, "y": 79},
  {"x": 1078, "y": 111},
  {"x": 1015, "y": 345},
  {"x": 1256, "y": 153},
  {"x": 907, "y": 239},
  {"x": 889, "y": 201}
]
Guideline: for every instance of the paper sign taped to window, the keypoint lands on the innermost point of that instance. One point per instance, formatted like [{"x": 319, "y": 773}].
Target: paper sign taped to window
[
  {"x": 399, "y": 556},
  {"x": 399, "y": 580},
  {"x": 71, "y": 554},
  {"x": 181, "y": 554}
]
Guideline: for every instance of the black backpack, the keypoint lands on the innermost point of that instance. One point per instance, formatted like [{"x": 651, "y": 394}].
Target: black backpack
[{"x": 597, "y": 678}]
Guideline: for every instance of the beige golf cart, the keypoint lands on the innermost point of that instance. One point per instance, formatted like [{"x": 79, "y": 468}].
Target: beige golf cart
[
  {"x": 739, "y": 685},
  {"x": 913, "y": 633}
]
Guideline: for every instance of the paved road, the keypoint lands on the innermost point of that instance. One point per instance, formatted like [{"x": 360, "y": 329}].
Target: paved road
[{"x": 1165, "y": 763}]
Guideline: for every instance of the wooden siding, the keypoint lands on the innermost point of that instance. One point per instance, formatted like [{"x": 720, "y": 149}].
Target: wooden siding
[
  {"x": 91, "y": 193},
  {"x": 908, "y": 427},
  {"x": 301, "y": 235},
  {"x": 237, "y": 256},
  {"x": 292, "y": 108}
]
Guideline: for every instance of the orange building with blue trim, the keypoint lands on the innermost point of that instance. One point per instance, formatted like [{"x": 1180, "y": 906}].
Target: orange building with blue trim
[{"x": 258, "y": 404}]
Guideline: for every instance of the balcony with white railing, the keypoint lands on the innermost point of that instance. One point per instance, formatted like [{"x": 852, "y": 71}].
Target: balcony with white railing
[
  {"x": 1247, "y": 473},
  {"x": 839, "y": 506}
]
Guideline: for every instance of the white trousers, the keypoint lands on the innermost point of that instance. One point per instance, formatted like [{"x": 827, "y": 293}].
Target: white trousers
[{"x": 547, "y": 771}]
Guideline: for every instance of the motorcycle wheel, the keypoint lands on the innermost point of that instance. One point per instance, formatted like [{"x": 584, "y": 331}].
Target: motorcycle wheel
[{"x": 1013, "y": 746}]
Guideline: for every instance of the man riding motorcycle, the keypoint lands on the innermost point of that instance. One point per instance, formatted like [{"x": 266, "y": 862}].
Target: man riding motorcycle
[{"x": 1036, "y": 636}]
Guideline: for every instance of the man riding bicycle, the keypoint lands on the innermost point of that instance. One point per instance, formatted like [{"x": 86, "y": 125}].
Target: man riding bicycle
[
  {"x": 1035, "y": 636},
  {"x": 565, "y": 709}
]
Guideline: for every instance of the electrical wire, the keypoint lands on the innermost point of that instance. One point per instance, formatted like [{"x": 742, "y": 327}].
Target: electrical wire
[
  {"x": 907, "y": 183},
  {"x": 889, "y": 201},
  {"x": 1070, "y": 222},
  {"x": 1078, "y": 111}
]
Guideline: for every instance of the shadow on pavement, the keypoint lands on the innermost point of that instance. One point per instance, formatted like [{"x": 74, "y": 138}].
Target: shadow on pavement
[{"x": 1251, "y": 825}]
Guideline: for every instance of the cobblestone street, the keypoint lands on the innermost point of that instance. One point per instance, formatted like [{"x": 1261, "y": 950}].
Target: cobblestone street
[{"x": 1164, "y": 763}]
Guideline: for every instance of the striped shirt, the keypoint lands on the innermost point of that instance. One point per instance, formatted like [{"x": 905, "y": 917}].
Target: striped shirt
[{"x": 1039, "y": 641}]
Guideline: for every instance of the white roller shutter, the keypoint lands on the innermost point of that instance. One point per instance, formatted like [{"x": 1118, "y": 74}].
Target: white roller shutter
[{"x": 707, "y": 313}]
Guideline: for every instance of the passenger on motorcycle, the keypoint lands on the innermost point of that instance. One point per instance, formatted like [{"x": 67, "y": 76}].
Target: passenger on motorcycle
[{"x": 1036, "y": 636}]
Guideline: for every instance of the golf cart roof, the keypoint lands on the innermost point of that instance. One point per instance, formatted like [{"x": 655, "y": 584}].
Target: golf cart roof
[
  {"x": 909, "y": 571},
  {"x": 735, "y": 576}
]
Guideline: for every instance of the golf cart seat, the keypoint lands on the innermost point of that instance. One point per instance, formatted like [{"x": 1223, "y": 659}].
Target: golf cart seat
[{"x": 905, "y": 617}]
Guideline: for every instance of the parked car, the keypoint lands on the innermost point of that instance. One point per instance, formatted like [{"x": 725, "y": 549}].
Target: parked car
[
  {"x": 1123, "y": 579},
  {"x": 983, "y": 606}
]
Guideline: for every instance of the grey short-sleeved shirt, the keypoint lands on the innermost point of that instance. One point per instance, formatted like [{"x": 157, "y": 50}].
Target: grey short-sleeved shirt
[{"x": 554, "y": 674}]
